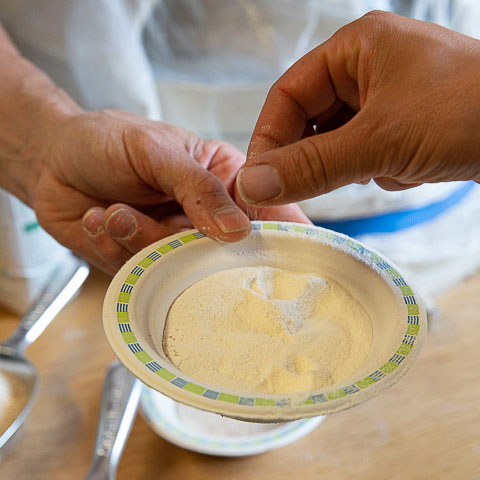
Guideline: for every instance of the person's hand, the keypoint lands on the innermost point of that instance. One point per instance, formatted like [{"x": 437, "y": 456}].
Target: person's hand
[
  {"x": 106, "y": 184},
  {"x": 387, "y": 98},
  {"x": 112, "y": 182}
]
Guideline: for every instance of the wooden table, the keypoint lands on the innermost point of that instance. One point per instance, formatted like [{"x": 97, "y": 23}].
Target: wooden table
[{"x": 427, "y": 427}]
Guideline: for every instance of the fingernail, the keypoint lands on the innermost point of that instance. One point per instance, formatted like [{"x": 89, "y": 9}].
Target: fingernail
[
  {"x": 231, "y": 219},
  {"x": 121, "y": 224},
  {"x": 92, "y": 221},
  {"x": 259, "y": 183}
]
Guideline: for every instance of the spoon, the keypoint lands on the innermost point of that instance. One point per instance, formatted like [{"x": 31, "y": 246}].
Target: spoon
[
  {"x": 121, "y": 393},
  {"x": 18, "y": 376}
]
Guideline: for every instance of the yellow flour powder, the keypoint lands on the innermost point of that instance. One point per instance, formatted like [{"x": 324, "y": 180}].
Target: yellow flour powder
[{"x": 267, "y": 330}]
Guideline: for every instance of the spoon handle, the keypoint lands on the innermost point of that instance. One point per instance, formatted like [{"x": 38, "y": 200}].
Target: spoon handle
[
  {"x": 121, "y": 392},
  {"x": 61, "y": 287}
]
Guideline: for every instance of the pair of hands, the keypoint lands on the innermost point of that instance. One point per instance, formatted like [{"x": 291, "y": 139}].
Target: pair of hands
[
  {"x": 386, "y": 98},
  {"x": 113, "y": 182}
]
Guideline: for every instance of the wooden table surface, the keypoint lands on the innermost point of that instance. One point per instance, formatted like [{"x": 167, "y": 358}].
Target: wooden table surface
[{"x": 425, "y": 427}]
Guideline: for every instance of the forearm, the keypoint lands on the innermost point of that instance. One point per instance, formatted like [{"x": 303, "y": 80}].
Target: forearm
[{"x": 31, "y": 106}]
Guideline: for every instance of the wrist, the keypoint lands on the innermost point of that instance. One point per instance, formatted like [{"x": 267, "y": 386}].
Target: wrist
[{"x": 31, "y": 109}]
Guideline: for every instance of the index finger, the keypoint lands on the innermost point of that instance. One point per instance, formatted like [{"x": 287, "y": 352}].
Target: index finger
[{"x": 314, "y": 87}]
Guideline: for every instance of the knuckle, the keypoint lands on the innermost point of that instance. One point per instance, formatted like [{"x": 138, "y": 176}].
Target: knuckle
[
  {"x": 201, "y": 190},
  {"x": 389, "y": 136},
  {"x": 215, "y": 144},
  {"x": 368, "y": 30},
  {"x": 139, "y": 138},
  {"x": 208, "y": 185},
  {"x": 309, "y": 167},
  {"x": 372, "y": 26},
  {"x": 207, "y": 150},
  {"x": 378, "y": 16},
  {"x": 140, "y": 146}
]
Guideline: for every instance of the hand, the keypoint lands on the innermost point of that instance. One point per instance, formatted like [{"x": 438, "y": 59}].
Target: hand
[
  {"x": 106, "y": 184},
  {"x": 112, "y": 182},
  {"x": 387, "y": 98}
]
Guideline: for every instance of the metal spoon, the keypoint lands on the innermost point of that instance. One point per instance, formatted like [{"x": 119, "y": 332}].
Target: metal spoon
[
  {"x": 16, "y": 372},
  {"x": 121, "y": 393}
]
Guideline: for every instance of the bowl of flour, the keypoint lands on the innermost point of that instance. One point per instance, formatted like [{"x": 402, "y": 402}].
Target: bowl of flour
[{"x": 293, "y": 322}]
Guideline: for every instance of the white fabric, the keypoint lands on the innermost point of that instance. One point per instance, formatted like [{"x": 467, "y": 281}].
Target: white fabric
[
  {"x": 438, "y": 253},
  {"x": 375, "y": 201}
]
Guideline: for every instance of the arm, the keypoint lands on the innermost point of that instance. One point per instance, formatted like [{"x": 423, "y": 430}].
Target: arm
[{"x": 30, "y": 106}]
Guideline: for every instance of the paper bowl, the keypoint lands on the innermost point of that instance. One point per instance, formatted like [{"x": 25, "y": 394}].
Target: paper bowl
[{"x": 139, "y": 297}]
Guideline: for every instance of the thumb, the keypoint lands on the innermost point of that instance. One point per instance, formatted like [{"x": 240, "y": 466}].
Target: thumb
[{"x": 305, "y": 169}]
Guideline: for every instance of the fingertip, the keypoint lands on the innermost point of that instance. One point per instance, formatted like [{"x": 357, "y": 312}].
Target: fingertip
[
  {"x": 259, "y": 183},
  {"x": 134, "y": 230},
  {"x": 232, "y": 237},
  {"x": 92, "y": 221},
  {"x": 230, "y": 232},
  {"x": 120, "y": 224},
  {"x": 393, "y": 185},
  {"x": 212, "y": 209},
  {"x": 231, "y": 220}
]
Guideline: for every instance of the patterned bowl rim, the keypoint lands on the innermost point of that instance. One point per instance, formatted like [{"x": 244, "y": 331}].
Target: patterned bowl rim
[{"x": 163, "y": 377}]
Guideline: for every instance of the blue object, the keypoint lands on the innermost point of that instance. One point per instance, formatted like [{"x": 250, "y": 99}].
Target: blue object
[{"x": 399, "y": 220}]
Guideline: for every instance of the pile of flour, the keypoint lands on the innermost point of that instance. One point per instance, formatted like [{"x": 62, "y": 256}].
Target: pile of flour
[{"x": 267, "y": 330}]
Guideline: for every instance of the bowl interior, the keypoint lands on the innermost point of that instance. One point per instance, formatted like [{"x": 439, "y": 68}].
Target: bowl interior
[{"x": 148, "y": 284}]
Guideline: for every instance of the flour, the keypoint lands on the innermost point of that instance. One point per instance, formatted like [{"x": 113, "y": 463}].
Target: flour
[{"x": 267, "y": 330}]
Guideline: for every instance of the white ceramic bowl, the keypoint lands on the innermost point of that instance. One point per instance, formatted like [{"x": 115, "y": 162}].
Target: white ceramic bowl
[
  {"x": 139, "y": 297},
  {"x": 208, "y": 433}
]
